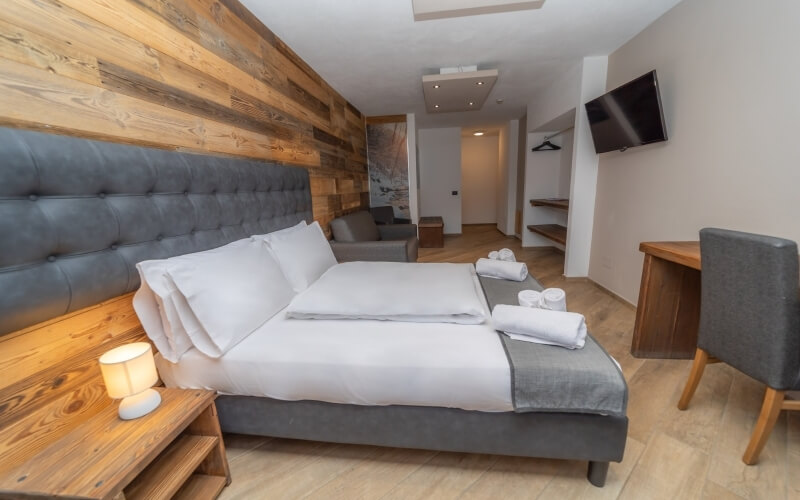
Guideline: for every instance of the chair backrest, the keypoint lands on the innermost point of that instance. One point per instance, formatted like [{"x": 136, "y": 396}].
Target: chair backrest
[
  {"x": 357, "y": 226},
  {"x": 749, "y": 312},
  {"x": 383, "y": 215}
]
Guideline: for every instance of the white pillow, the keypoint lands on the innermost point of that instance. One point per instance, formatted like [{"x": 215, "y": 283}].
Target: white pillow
[
  {"x": 161, "y": 307},
  {"x": 279, "y": 233},
  {"x": 304, "y": 255},
  {"x": 230, "y": 293}
]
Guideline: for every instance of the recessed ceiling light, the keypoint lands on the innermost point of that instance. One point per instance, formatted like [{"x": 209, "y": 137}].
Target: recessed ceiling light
[
  {"x": 478, "y": 83},
  {"x": 436, "y": 86},
  {"x": 499, "y": 101},
  {"x": 435, "y": 105},
  {"x": 471, "y": 103},
  {"x": 478, "y": 133}
]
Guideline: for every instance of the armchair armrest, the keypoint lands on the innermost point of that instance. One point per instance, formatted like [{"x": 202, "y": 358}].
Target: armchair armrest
[
  {"x": 393, "y": 251},
  {"x": 397, "y": 231}
]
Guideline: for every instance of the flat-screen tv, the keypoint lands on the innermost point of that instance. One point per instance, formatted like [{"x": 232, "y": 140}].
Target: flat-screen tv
[{"x": 628, "y": 116}]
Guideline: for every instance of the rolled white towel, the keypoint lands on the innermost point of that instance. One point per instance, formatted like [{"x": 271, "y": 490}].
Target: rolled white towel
[
  {"x": 515, "y": 271},
  {"x": 554, "y": 299},
  {"x": 541, "y": 326},
  {"x": 506, "y": 255},
  {"x": 494, "y": 255},
  {"x": 529, "y": 298}
]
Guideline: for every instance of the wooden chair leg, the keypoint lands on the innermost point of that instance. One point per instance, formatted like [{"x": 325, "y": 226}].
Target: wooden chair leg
[
  {"x": 773, "y": 402},
  {"x": 698, "y": 366}
]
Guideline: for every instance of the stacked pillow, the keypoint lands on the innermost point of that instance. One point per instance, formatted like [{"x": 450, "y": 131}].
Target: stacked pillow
[{"x": 212, "y": 300}]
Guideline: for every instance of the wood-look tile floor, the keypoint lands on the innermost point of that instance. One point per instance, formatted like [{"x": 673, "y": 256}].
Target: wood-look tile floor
[{"x": 670, "y": 454}]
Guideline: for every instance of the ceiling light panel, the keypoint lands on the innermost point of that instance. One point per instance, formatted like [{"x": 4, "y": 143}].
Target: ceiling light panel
[
  {"x": 451, "y": 92},
  {"x": 425, "y": 10}
]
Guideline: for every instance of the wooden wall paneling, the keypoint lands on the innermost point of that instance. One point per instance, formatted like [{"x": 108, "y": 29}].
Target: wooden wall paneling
[{"x": 190, "y": 75}]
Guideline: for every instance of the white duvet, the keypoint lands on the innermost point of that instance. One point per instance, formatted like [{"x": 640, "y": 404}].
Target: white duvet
[{"x": 424, "y": 293}]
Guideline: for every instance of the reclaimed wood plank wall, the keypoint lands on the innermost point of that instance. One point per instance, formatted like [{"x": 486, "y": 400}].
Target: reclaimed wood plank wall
[{"x": 193, "y": 75}]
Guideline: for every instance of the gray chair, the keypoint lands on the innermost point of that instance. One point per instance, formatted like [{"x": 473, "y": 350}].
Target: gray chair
[
  {"x": 357, "y": 237},
  {"x": 750, "y": 319}
]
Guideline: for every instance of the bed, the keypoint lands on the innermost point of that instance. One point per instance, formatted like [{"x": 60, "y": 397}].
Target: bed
[{"x": 92, "y": 210}]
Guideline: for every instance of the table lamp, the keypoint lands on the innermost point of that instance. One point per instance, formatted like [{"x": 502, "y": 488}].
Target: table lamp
[{"x": 130, "y": 373}]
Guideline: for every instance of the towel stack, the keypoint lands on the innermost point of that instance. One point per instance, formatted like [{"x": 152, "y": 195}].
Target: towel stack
[
  {"x": 553, "y": 299},
  {"x": 503, "y": 254},
  {"x": 541, "y": 326}
]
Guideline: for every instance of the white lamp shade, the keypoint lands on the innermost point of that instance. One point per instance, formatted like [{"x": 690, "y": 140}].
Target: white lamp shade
[{"x": 128, "y": 369}]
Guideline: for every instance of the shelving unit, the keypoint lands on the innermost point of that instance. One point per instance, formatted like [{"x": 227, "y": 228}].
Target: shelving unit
[{"x": 555, "y": 232}]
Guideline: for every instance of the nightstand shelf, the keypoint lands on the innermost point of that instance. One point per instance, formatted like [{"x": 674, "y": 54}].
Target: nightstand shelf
[
  {"x": 200, "y": 487},
  {"x": 176, "y": 450},
  {"x": 167, "y": 473}
]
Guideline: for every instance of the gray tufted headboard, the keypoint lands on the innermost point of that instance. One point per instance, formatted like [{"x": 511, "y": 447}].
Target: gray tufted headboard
[{"x": 77, "y": 215}]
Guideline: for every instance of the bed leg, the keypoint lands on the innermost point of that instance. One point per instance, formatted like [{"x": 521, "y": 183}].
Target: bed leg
[{"x": 597, "y": 473}]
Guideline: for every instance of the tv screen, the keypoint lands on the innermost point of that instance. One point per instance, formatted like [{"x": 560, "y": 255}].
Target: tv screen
[{"x": 628, "y": 116}]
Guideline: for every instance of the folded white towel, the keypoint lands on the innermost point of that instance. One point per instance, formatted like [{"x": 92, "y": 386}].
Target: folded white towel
[
  {"x": 529, "y": 298},
  {"x": 541, "y": 326},
  {"x": 506, "y": 255},
  {"x": 516, "y": 271},
  {"x": 494, "y": 255},
  {"x": 554, "y": 299}
]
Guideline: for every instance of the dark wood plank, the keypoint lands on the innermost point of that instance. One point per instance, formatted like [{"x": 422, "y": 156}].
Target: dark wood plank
[
  {"x": 126, "y": 82},
  {"x": 553, "y": 232},
  {"x": 561, "y": 203}
]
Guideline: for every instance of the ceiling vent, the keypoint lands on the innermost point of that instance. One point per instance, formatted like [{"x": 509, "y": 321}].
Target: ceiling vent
[
  {"x": 425, "y": 10},
  {"x": 455, "y": 89}
]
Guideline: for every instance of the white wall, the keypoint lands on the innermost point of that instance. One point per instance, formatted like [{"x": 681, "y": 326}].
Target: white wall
[
  {"x": 479, "y": 166},
  {"x": 413, "y": 184},
  {"x": 522, "y": 148},
  {"x": 440, "y": 174},
  {"x": 729, "y": 77},
  {"x": 501, "y": 187},
  {"x": 507, "y": 177},
  {"x": 583, "y": 183}
]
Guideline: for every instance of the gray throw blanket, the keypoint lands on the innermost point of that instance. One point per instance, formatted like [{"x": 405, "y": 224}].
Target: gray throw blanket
[{"x": 553, "y": 379}]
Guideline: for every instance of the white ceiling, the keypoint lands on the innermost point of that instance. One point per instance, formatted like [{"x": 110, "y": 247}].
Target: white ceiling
[{"x": 374, "y": 53}]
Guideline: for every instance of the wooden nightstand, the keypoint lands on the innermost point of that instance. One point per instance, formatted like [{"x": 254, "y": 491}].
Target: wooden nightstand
[{"x": 175, "y": 450}]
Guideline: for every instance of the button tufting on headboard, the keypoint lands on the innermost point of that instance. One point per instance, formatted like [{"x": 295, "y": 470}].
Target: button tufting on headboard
[{"x": 101, "y": 207}]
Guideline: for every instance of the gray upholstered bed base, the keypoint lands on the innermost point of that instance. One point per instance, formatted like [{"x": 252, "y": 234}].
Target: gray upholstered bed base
[{"x": 573, "y": 436}]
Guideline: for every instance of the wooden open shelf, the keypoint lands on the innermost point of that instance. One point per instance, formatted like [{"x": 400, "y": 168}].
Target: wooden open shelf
[
  {"x": 555, "y": 232},
  {"x": 167, "y": 473},
  {"x": 560, "y": 203}
]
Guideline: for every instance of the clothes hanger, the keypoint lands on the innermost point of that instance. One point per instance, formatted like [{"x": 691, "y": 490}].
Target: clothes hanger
[{"x": 546, "y": 146}]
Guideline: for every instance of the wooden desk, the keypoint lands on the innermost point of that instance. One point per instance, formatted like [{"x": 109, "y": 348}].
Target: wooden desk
[{"x": 668, "y": 314}]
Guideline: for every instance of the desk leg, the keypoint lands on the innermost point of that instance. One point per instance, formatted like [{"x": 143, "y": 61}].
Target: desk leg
[{"x": 668, "y": 314}]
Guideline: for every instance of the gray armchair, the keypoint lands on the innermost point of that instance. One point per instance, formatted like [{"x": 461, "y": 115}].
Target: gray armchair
[
  {"x": 750, "y": 319},
  {"x": 357, "y": 237}
]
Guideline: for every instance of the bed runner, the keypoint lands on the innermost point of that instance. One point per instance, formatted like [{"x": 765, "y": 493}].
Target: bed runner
[{"x": 553, "y": 379}]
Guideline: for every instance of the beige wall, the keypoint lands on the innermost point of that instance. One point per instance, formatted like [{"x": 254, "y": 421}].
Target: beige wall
[
  {"x": 730, "y": 83},
  {"x": 479, "y": 166}
]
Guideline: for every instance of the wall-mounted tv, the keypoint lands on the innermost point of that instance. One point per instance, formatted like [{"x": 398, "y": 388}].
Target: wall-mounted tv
[{"x": 628, "y": 116}]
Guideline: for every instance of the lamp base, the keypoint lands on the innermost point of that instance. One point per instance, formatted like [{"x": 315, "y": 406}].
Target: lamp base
[{"x": 139, "y": 405}]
